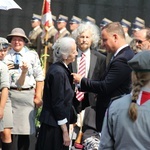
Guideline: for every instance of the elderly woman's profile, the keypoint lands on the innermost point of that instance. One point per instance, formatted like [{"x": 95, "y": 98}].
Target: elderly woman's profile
[{"x": 57, "y": 98}]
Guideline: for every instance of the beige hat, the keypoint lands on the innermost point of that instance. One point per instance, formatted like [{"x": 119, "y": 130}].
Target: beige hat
[{"x": 17, "y": 32}]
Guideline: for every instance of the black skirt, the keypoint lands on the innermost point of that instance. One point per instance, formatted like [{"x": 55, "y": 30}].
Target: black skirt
[{"x": 50, "y": 138}]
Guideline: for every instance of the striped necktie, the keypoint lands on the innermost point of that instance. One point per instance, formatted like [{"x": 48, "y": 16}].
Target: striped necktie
[{"x": 81, "y": 71}]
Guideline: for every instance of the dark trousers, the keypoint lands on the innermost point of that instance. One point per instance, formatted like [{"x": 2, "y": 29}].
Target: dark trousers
[{"x": 23, "y": 142}]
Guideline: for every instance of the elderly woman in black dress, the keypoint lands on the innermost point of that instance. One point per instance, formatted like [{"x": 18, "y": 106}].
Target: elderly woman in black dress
[{"x": 57, "y": 98}]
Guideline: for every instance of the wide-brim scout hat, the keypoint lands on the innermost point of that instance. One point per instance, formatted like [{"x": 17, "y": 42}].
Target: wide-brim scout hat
[
  {"x": 17, "y": 32},
  {"x": 140, "y": 62},
  {"x": 4, "y": 43}
]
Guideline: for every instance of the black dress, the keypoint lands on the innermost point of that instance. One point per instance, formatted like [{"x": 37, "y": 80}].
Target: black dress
[{"x": 57, "y": 101}]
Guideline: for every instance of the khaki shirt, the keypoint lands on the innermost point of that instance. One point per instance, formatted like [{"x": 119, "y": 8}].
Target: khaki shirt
[{"x": 35, "y": 72}]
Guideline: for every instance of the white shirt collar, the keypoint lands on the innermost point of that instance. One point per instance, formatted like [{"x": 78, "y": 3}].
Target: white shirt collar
[
  {"x": 85, "y": 52},
  {"x": 120, "y": 49}
]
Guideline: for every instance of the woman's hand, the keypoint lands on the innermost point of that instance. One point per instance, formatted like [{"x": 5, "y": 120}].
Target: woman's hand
[
  {"x": 10, "y": 66},
  {"x": 38, "y": 102},
  {"x": 24, "y": 67},
  {"x": 66, "y": 138}
]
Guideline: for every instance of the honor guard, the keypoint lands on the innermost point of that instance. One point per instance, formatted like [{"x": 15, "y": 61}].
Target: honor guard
[
  {"x": 61, "y": 27},
  {"x": 74, "y": 23},
  {"x": 35, "y": 34},
  {"x": 51, "y": 34},
  {"x": 138, "y": 24},
  {"x": 104, "y": 22},
  {"x": 126, "y": 25}
]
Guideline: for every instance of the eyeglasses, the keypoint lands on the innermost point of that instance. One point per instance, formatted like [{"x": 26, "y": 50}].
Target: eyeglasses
[{"x": 139, "y": 41}]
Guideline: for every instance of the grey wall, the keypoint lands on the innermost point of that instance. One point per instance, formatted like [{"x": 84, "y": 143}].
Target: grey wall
[{"x": 115, "y": 10}]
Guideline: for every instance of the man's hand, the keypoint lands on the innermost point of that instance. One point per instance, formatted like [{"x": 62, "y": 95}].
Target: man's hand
[{"x": 76, "y": 78}]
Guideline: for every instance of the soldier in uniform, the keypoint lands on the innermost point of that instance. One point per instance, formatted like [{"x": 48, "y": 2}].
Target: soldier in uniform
[
  {"x": 126, "y": 25},
  {"x": 61, "y": 26},
  {"x": 51, "y": 33},
  {"x": 74, "y": 23},
  {"x": 35, "y": 34},
  {"x": 138, "y": 24},
  {"x": 102, "y": 49},
  {"x": 104, "y": 22}
]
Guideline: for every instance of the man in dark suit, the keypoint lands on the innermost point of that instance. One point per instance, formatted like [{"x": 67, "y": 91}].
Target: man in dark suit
[
  {"x": 87, "y": 37},
  {"x": 116, "y": 79}
]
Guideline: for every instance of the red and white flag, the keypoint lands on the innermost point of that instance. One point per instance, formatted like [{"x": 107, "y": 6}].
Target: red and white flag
[{"x": 46, "y": 13}]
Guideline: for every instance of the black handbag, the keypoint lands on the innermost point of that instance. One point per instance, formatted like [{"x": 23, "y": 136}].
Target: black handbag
[{"x": 73, "y": 115}]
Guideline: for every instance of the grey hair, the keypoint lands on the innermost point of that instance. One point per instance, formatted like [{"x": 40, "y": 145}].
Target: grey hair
[
  {"x": 62, "y": 48},
  {"x": 94, "y": 30}
]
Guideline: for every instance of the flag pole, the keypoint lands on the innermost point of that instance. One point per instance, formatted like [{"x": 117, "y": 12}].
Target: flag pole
[
  {"x": 45, "y": 50},
  {"x": 46, "y": 21}
]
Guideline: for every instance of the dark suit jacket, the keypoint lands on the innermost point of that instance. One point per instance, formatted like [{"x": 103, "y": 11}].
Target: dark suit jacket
[
  {"x": 58, "y": 95},
  {"x": 97, "y": 68},
  {"x": 114, "y": 82}
]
